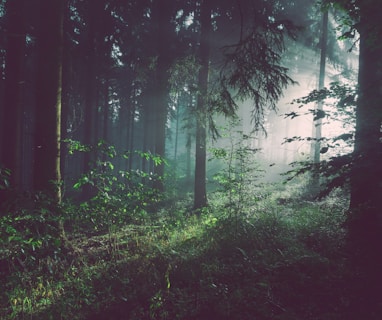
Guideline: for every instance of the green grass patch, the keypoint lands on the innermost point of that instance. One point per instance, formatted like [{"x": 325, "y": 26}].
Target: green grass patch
[{"x": 273, "y": 261}]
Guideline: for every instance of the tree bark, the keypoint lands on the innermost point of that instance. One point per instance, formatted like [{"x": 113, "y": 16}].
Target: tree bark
[
  {"x": 365, "y": 214},
  {"x": 164, "y": 60},
  {"x": 47, "y": 173},
  {"x": 200, "y": 194},
  {"x": 12, "y": 106},
  {"x": 91, "y": 97},
  {"x": 317, "y": 125}
]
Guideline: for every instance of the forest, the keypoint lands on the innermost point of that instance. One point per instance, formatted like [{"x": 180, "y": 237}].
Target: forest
[{"x": 191, "y": 159}]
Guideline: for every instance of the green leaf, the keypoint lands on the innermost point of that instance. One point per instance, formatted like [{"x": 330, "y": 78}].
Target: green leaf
[{"x": 77, "y": 185}]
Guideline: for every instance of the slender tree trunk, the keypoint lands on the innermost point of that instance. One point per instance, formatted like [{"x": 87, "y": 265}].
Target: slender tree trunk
[
  {"x": 317, "y": 125},
  {"x": 131, "y": 136},
  {"x": 165, "y": 54},
  {"x": 176, "y": 135},
  {"x": 47, "y": 142},
  {"x": 200, "y": 194},
  {"x": 90, "y": 119},
  {"x": 160, "y": 123},
  {"x": 189, "y": 146},
  {"x": 47, "y": 173},
  {"x": 188, "y": 159},
  {"x": 67, "y": 67},
  {"x": 147, "y": 131},
  {"x": 105, "y": 133},
  {"x": 12, "y": 106}
]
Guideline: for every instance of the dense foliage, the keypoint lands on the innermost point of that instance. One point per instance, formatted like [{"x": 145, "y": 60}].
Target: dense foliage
[{"x": 281, "y": 259}]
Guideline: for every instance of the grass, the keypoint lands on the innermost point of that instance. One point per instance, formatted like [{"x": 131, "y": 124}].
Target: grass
[{"x": 275, "y": 261}]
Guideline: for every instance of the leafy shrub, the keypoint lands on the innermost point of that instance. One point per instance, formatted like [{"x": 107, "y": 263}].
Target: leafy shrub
[
  {"x": 118, "y": 196},
  {"x": 31, "y": 234}
]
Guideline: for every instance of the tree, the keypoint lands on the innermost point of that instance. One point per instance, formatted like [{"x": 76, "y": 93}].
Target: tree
[
  {"x": 93, "y": 15},
  {"x": 200, "y": 194},
  {"x": 366, "y": 178},
  {"x": 247, "y": 41},
  {"x": 12, "y": 105},
  {"x": 365, "y": 212},
  {"x": 47, "y": 173},
  {"x": 162, "y": 14},
  {"x": 317, "y": 120}
]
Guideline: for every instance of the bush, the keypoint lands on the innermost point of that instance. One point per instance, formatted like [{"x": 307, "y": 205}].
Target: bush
[{"x": 117, "y": 197}]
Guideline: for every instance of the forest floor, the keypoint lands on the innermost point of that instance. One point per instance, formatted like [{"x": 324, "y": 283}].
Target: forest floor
[{"x": 279, "y": 258}]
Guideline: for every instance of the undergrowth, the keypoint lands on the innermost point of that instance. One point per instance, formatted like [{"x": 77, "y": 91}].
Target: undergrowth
[{"x": 276, "y": 261}]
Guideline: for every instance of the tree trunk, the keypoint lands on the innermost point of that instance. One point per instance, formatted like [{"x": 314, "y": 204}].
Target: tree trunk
[
  {"x": 47, "y": 173},
  {"x": 164, "y": 60},
  {"x": 47, "y": 142},
  {"x": 200, "y": 194},
  {"x": 190, "y": 132},
  {"x": 365, "y": 218},
  {"x": 90, "y": 119},
  {"x": 12, "y": 106},
  {"x": 176, "y": 136},
  {"x": 147, "y": 126},
  {"x": 131, "y": 136},
  {"x": 317, "y": 125}
]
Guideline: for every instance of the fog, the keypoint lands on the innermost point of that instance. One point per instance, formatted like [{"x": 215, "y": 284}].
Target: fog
[{"x": 274, "y": 153}]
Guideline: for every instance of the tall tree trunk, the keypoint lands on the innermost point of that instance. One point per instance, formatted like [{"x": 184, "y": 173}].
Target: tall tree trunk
[
  {"x": 148, "y": 135},
  {"x": 176, "y": 135},
  {"x": 317, "y": 124},
  {"x": 47, "y": 142},
  {"x": 131, "y": 135},
  {"x": 105, "y": 133},
  {"x": 47, "y": 173},
  {"x": 67, "y": 66},
  {"x": 365, "y": 219},
  {"x": 90, "y": 119},
  {"x": 200, "y": 194},
  {"x": 189, "y": 136},
  {"x": 165, "y": 54},
  {"x": 12, "y": 106}
]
